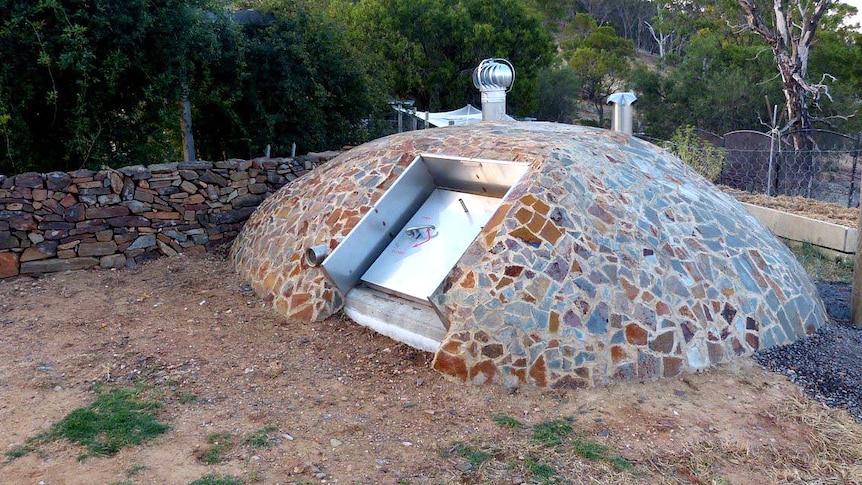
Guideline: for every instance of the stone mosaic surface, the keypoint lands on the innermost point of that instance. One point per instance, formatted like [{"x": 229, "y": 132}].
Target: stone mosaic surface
[{"x": 611, "y": 260}]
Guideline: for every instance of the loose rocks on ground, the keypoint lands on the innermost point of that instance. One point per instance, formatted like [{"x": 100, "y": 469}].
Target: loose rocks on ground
[{"x": 827, "y": 365}]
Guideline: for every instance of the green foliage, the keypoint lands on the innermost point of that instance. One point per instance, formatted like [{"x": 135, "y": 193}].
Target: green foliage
[
  {"x": 19, "y": 451},
  {"x": 593, "y": 451},
  {"x": 474, "y": 456},
  {"x": 557, "y": 94},
  {"x": 507, "y": 421},
  {"x": 704, "y": 157},
  {"x": 98, "y": 83},
  {"x": 551, "y": 433},
  {"x": 261, "y": 438},
  {"x": 719, "y": 85},
  {"x": 821, "y": 268},
  {"x": 114, "y": 420},
  {"x": 219, "y": 444},
  {"x": 427, "y": 49},
  {"x": 538, "y": 468},
  {"x": 599, "y": 58},
  {"x": 217, "y": 480}
]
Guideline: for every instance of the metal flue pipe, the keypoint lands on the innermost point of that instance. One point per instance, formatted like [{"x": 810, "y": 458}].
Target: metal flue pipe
[
  {"x": 623, "y": 111},
  {"x": 493, "y": 78}
]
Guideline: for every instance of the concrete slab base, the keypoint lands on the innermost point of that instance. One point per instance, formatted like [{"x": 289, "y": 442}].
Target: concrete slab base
[{"x": 406, "y": 321}]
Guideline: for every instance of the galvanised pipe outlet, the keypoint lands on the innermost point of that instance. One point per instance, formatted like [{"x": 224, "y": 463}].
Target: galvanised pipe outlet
[{"x": 493, "y": 78}]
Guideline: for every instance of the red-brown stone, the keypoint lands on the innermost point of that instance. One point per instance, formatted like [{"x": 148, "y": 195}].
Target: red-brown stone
[
  {"x": 451, "y": 365},
  {"x": 636, "y": 335},
  {"x": 525, "y": 235},
  {"x": 551, "y": 233},
  {"x": 538, "y": 372},
  {"x": 8, "y": 264},
  {"x": 569, "y": 382},
  {"x": 492, "y": 351},
  {"x": 484, "y": 372},
  {"x": 554, "y": 322},
  {"x": 672, "y": 366},
  {"x": 618, "y": 354},
  {"x": 752, "y": 341},
  {"x": 663, "y": 343},
  {"x": 630, "y": 289}
]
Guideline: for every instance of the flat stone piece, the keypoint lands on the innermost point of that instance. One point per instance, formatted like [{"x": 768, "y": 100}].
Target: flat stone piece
[
  {"x": 30, "y": 180},
  {"x": 97, "y": 248},
  {"x": 8, "y": 264},
  {"x": 112, "y": 261},
  {"x": 195, "y": 165},
  {"x": 43, "y": 250},
  {"x": 54, "y": 265},
  {"x": 57, "y": 180},
  {"x": 107, "y": 212},
  {"x": 143, "y": 242}
]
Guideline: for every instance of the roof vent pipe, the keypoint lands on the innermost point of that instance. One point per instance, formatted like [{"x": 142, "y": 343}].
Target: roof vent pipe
[
  {"x": 623, "y": 111},
  {"x": 493, "y": 78}
]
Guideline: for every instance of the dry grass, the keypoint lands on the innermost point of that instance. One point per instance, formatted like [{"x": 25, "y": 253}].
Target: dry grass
[
  {"x": 829, "y": 452},
  {"x": 833, "y": 443}
]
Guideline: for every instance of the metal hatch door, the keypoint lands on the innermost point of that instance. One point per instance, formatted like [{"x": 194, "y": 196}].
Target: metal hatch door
[{"x": 433, "y": 240}]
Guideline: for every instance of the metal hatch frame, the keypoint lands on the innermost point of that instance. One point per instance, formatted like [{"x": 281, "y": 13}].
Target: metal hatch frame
[{"x": 380, "y": 225}]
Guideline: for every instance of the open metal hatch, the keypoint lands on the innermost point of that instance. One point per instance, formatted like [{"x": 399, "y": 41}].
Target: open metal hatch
[{"x": 401, "y": 251}]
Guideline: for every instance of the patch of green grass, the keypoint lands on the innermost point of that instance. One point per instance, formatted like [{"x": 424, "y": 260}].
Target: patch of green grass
[
  {"x": 507, "y": 421},
  {"x": 114, "y": 420},
  {"x": 124, "y": 482},
  {"x": 820, "y": 267},
  {"x": 552, "y": 433},
  {"x": 538, "y": 468},
  {"x": 593, "y": 451},
  {"x": 19, "y": 451},
  {"x": 220, "y": 443},
  {"x": 187, "y": 398},
  {"x": 217, "y": 480},
  {"x": 261, "y": 438},
  {"x": 134, "y": 470},
  {"x": 474, "y": 456}
]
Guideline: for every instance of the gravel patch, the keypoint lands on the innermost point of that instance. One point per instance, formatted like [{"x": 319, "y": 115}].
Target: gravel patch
[{"x": 827, "y": 365}]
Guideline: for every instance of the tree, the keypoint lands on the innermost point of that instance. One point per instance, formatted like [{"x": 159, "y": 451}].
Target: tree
[
  {"x": 427, "y": 49},
  {"x": 600, "y": 59},
  {"x": 718, "y": 85},
  {"x": 557, "y": 94},
  {"x": 791, "y": 41},
  {"x": 300, "y": 82},
  {"x": 94, "y": 83}
]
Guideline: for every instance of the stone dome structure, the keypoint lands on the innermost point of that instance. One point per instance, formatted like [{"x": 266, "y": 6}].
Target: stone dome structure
[{"x": 606, "y": 258}]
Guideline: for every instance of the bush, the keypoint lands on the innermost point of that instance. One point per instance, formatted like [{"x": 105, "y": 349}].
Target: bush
[{"x": 705, "y": 158}]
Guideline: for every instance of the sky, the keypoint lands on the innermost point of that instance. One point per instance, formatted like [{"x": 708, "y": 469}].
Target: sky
[{"x": 858, "y": 5}]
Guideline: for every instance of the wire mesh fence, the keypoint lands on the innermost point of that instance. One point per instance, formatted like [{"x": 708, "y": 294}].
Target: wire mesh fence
[{"x": 816, "y": 164}]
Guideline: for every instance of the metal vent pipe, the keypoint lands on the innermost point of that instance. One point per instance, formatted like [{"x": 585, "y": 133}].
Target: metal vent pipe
[
  {"x": 493, "y": 78},
  {"x": 623, "y": 111}
]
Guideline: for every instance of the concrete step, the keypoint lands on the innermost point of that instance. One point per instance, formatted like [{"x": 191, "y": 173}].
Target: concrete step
[{"x": 409, "y": 322}]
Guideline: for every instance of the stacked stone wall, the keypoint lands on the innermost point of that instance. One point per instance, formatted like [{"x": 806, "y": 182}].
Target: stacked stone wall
[{"x": 114, "y": 218}]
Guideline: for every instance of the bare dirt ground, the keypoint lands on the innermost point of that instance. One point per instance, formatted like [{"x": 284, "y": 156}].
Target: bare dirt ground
[{"x": 351, "y": 406}]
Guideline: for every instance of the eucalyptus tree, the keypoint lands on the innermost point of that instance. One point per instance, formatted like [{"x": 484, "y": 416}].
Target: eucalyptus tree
[{"x": 790, "y": 35}]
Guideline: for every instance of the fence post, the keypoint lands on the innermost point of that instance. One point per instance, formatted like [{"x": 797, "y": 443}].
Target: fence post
[
  {"x": 770, "y": 174},
  {"x": 856, "y": 296},
  {"x": 853, "y": 172}
]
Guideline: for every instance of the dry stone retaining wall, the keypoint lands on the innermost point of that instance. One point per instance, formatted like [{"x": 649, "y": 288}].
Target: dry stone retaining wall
[{"x": 113, "y": 218}]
